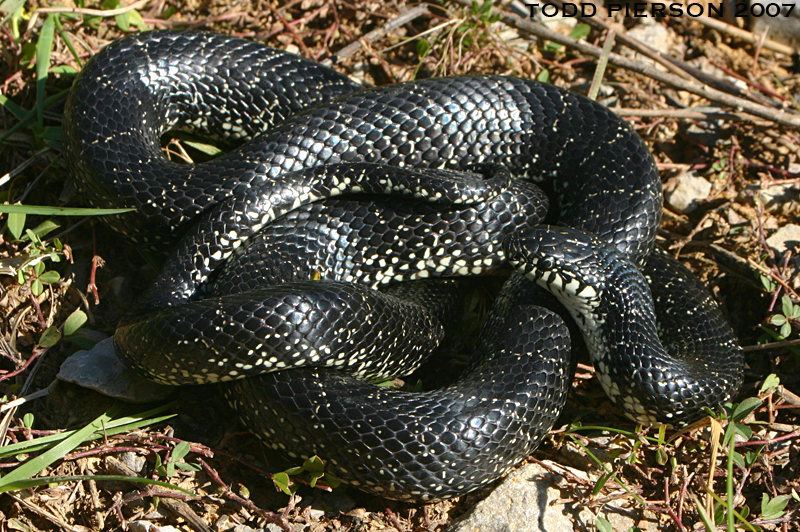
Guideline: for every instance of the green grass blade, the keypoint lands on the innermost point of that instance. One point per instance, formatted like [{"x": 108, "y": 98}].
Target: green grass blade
[
  {"x": 35, "y": 465},
  {"x": 13, "y": 108},
  {"x": 43, "y": 48},
  {"x": 113, "y": 427},
  {"x": 65, "y": 37},
  {"x": 49, "y": 102},
  {"x": 9, "y": 7},
  {"x": 59, "y": 211},
  {"x": 41, "y": 481},
  {"x": 703, "y": 515}
]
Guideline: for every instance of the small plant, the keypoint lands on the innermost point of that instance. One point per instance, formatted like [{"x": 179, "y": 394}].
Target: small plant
[
  {"x": 175, "y": 459},
  {"x": 315, "y": 468},
  {"x": 788, "y": 318}
]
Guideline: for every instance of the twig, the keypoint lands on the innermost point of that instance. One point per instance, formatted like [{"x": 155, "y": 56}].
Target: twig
[
  {"x": 600, "y": 70},
  {"x": 94, "y": 12},
  {"x": 30, "y": 397},
  {"x": 44, "y": 513},
  {"x": 377, "y": 33},
  {"x": 247, "y": 503},
  {"x": 636, "y": 45},
  {"x": 778, "y": 116},
  {"x": 741, "y": 34},
  {"x": 771, "y": 345},
  {"x": 679, "y": 113}
]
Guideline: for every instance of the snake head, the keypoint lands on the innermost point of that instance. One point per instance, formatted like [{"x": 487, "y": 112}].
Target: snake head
[{"x": 569, "y": 263}]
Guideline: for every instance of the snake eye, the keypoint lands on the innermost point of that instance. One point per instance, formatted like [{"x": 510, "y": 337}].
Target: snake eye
[{"x": 547, "y": 263}]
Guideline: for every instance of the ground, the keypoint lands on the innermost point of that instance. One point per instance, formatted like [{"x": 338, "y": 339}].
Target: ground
[{"x": 748, "y": 166}]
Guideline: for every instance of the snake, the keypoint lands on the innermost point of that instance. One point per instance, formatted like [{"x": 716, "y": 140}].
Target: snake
[{"x": 267, "y": 270}]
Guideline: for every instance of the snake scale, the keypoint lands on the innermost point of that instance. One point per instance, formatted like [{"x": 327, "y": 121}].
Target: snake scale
[{"x": 269, "y": 271}]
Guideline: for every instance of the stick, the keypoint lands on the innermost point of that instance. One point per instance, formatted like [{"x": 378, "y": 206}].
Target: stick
[
  {"x": 377, "y": 33},
  {"x": 678, "y": 113},
  {"x": 740, "y": 104}
]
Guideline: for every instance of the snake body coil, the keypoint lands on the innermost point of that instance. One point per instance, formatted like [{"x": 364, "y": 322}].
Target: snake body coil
[{"x": 312, "y": 134}]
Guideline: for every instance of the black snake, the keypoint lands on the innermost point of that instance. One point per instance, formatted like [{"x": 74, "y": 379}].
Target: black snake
[{"x": 311, "y": 134}]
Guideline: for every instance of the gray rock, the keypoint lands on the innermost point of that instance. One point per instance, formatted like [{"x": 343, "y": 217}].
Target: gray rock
[
  {"x": 787, "y": 237},
  {"x": 689, "y": 191},
  {"x": 147, "y": 526},
  {"x": 785, "y": 29},
  {"x": 775, "y": 196},
  {"x": 527, "y": 500},
  {"x": 656, "y": 36},
  {"x": 134, "y": 462},
  {"x": 100, "y": 369}
]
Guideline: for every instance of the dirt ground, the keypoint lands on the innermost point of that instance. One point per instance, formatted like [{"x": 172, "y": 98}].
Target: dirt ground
[{"x": 751, "y": 163}]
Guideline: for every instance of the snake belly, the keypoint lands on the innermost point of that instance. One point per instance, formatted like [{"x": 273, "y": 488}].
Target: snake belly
[{"x": 312, "y": 134}]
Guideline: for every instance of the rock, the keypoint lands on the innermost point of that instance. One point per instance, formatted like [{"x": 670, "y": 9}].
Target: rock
[
  {"x": 332, "y": 503},
  {"x": 775, "y": 196},
  {"x": 100, "y": 369},
  {"x": 656, "y": 36},
  {"x": 147, "y": 526},
  {"x": 527, "y": 500},
  {"x": 134, "y": 462},
  {"x": 785, "y": 238},
  {"x": 781, "y": 28},
  {"x": 690, "y": 189}
]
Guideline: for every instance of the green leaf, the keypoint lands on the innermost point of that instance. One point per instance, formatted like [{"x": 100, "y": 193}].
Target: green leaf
[
  {"x": 181, "y": 450},
  {"x": 543, "y": 76},
  {"x": 39, "y": 268},
  {"x": 123, "y": 21},
  {"x": 423, "y": 48},
  {"x": 580, "y": 31},
  {"x": 27, "y": 421},
  {"x": 773, "y": 508},
  {"x": 786, "y": 306},
  {"x": 603, "y": 525},
  {"x": 661, "y": 456},
  {"x": 739, "y": 460},
  {"x": 314, "y": 465},
  {"x": 743, "y": 430},
  {"x": 332, "y": 480},
  {"x": 768, "y": 283},
  {"x": 778, "y": 319},
  {"x": 49, "y": 277},
  {"x": 771, "y": 382},
  {"x": 281, "y": 481},
  {"x": 16, "y": 224},
  {"x": 786, "y": 330},
  {"x": 32, "y": 237},
  {"x": 137, "y": 20},
  {"x": 208, "y": 149},
  {"x": 50, "y": 337},
  {"x": 74, "y": 322},
  {"x": 743, "y": 409},
  {"x": 187, "y": 466},
  {"x": 294, "y": 470},
  {"x": 601, "y": 482},
  {"x": 59, "y": 211},
  {"x": 37, "y": 287},
  {"x": 42, "y": 229}
]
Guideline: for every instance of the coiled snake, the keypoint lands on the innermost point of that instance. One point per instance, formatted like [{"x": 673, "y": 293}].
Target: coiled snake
[{"x": 448, "y": 146}]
